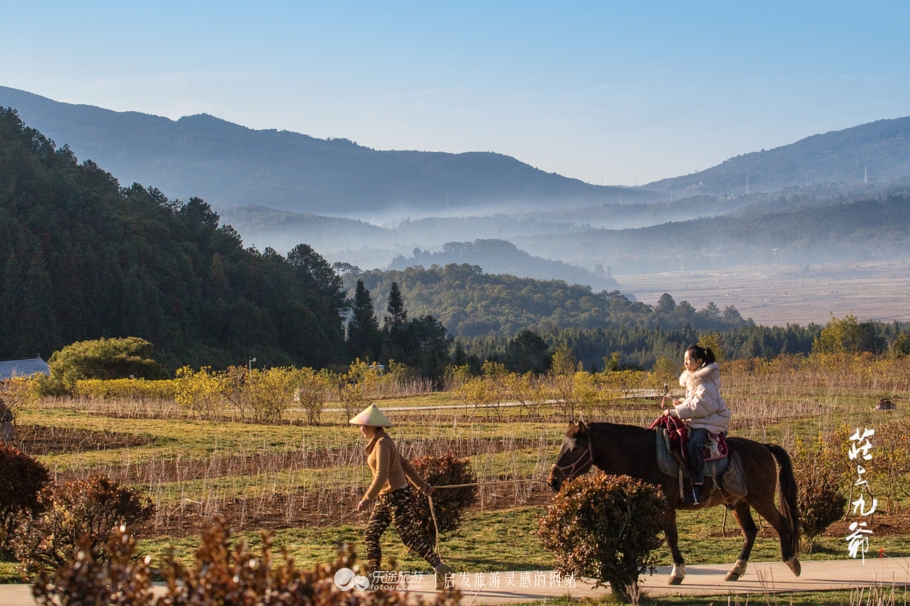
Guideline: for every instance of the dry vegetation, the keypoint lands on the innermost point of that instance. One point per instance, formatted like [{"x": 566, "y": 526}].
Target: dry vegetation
[{"x": 293, "y": 474}]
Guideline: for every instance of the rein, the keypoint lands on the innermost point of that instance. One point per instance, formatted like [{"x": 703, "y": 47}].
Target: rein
[{"x": 569, "y": 470}]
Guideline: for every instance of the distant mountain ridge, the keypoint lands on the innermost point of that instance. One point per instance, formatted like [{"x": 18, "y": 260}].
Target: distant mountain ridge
[
  {"x": 876, "y": 152},
  {"x": 230, "y": 165}
]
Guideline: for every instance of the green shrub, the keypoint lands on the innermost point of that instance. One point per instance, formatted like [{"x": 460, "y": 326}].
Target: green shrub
[
  {"x": 101, "y": 359},
  {"x": 449, "y": 504},
  {"x": 221, "y": 573},
  {"x": 91, "y": 508},
  {"x": 605, "y": 528},
  {"x": 21, "y": 480}
]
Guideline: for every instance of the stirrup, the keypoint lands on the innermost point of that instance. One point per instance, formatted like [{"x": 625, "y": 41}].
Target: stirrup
[{"x": 697, "y": 497}]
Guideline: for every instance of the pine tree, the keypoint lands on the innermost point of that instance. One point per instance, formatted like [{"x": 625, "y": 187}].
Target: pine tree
[
  {"x": 364, "y": 335},
  {"x": 395, "y": 328}
]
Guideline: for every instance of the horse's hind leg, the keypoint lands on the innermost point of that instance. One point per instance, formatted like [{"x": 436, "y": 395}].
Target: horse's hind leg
[
  {"x": 743, "y": 515},
  {"x": 767, "y": 510},
  {"x": 679, "y": 566}
]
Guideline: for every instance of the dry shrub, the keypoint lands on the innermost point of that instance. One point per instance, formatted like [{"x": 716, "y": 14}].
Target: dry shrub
[
  {"x": 449, "y": 504},
  {"x": 818, "y": 468},
  {"x": 605, "y": 528},
  {"x": 21, "y": 480},
  {"x": 221, "y": 573},
  {"x": 112, "y": 576},
  {"x": 82, "y": 508}
]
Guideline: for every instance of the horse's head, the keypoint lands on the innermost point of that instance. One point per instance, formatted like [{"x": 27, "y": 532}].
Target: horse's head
[{"x": 575, "y": 457}]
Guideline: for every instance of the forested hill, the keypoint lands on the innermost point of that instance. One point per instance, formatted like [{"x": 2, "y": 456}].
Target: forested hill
[
  {"x": 81, "y": 258},
  {"x": 472, "y": 303},
  {"x": 231, "y": 165},
  {"x": 503, "y": 257},
  {"x": 876, "y": 152}
]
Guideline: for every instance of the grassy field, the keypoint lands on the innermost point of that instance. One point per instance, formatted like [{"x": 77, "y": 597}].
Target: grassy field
[{"x": 302, "y": 482}]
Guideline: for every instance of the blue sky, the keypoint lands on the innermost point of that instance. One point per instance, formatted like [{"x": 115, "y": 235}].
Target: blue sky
[{"x": 607, "y": 92}]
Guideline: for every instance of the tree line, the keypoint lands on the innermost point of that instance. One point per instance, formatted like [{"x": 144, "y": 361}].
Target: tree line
[{"x": 82, "y": 258}]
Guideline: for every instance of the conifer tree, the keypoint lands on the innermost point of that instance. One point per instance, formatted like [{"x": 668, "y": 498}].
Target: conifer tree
[
  {"x": 395, "y": 328},
  {"x": 364, "y": 335}
]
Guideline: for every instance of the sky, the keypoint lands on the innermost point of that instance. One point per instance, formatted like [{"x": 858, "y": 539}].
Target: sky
[{"x": 615, "y": 93}]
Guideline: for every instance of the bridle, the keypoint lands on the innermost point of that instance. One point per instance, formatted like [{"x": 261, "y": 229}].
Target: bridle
[{"x": 569, "y": 470}]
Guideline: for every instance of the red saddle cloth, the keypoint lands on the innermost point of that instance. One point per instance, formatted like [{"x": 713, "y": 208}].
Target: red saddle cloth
[{"x": 678, "y": 433}]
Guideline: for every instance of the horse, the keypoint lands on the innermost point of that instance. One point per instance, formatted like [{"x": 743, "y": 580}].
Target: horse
[{"x": 628, "y": 450}]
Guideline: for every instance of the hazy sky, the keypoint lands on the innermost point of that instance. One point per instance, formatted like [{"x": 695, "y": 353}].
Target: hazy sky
[{"x": 609, "y": 92}]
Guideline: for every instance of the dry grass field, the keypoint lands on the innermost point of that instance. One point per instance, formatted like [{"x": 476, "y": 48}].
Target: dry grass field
[{"x": 776, "y": 295}]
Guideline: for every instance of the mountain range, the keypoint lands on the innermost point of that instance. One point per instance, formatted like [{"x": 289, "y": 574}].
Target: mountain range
[
  {"x": 875, "y": 152},
  {"x": 278, "y": 189},
  {"x": 228, "y": 164}
]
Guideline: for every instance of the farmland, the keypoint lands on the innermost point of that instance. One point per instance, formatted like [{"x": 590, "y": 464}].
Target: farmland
[
  {"x": 302, "y": 481},
  {"x": 775, "y": 295}
]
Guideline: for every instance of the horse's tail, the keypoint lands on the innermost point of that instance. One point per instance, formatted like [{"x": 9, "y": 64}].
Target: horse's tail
[{"x": 787, "y": 492}]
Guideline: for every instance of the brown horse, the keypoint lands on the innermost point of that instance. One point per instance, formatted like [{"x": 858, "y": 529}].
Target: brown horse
[{"x": 628, "y": 450}]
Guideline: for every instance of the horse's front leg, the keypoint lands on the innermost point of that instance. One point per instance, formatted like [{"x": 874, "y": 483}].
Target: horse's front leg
[
  {"x": 679, "y": 566},
  {"x": 743, "y": 515}
]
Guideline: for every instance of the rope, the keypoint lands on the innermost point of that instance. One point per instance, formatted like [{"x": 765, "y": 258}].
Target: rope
[
  {"x": 432, "y": 511},
  {"x": 435, "y": 524},
  {"x": 487, "y": 483},
  {"x": 341, "y": 519}
]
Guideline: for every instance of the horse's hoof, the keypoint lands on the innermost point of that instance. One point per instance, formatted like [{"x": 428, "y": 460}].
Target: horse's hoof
[
  {"x": 732, "y": 576},
  {"x": 675, "y": 580},
  {"x": 794, "y": 565}
]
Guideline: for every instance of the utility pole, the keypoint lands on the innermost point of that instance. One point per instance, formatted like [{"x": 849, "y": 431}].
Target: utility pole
[{"x": 865, "y": 174}]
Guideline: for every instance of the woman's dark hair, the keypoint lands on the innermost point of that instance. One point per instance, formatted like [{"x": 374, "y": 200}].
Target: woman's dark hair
[{"x": 701, "y": 354}]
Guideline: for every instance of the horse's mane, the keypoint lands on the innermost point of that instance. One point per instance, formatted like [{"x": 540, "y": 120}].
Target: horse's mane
[{"x": 618, "y": 429}]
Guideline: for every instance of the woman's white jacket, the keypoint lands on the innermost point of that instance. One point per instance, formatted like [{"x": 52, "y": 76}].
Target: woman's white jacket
[{"x": 703, "y": 407}]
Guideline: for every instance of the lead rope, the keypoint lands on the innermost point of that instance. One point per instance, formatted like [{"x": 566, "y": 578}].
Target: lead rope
[
  {"x": 432, "y": 512},
  {"x": 435, "y": 523}
]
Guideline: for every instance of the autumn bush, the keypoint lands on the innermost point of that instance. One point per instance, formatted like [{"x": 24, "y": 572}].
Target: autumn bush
[
  {"x": 201, "y": 392},
  {"x": 271, "y": 392},
  {"x": 449, "y": 504},
  {"x": 68, "y": 512},
  {"x": 21, "y": 480},
  {"x": 310, "y": 393},
  {"x": 163, "y": 389},
  {"x": 819, "y": 470},
  {"x": 605, "y": 528},
  {"x": 222, "y": 573}
]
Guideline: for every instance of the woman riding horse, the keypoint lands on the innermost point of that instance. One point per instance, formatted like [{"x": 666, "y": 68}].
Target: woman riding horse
[
  {"x": 628, "y": 450},
  {"x": 703, "y": 411}
]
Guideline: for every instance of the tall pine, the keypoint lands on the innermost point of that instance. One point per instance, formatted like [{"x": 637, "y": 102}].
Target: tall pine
[
  {"x": 395, "y": 328},
  {"x": 364, "y": 335}
]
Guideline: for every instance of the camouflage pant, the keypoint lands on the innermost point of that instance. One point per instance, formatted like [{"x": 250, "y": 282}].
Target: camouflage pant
[{"x": 398, "y": 507}]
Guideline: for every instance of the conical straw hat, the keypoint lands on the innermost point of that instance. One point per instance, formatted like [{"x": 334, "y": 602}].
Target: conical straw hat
[{"x": 372, "y": 417}]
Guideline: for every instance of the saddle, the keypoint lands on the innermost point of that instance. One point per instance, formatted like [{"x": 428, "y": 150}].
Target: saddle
[{"x": 722, "y": 465}]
